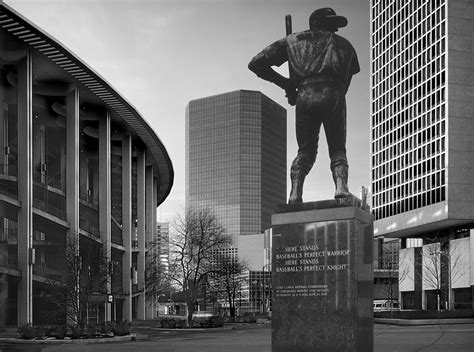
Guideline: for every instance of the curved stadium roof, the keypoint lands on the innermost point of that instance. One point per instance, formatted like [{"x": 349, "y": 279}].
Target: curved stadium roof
[{"x": 64, "y": 59}]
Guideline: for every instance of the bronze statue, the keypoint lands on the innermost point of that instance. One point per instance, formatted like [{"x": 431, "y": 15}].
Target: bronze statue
[{"x": 321, "y": 65}]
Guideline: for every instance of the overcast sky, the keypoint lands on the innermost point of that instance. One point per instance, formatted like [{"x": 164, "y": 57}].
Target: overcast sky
[{"x": 159, "y": 55}]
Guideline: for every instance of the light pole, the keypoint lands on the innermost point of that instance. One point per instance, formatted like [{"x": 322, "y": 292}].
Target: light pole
[
  {"x": 263, "y": 289},
  {"x": 265, "y": 308}
]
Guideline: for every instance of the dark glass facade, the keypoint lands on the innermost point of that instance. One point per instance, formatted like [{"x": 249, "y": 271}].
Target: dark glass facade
[
  {"x": 236, "y": 158},
  {"x": 81, "y": 173}
]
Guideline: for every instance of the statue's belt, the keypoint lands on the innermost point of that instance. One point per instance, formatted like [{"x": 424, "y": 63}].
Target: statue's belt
[{"x": 319, "y": 79}]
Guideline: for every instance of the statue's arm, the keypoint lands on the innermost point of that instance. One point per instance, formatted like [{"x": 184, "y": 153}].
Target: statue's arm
[
  {"x": 263, "y": 69},
  {"x": 273, "y": 55}
]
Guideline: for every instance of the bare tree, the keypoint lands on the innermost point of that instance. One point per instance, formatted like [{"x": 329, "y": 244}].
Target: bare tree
[
  {"x": 405, "y": 264},
  {"x": 432, "y": 257},
  {"x": 193, "y": 239},
  {"x": 442, "y": 266},
  {"x": 389, "y": 263},
  {"x": 227, "y": 280},
  {"x": 82, "y": 275},
  {"x": 156, "y": 274}
]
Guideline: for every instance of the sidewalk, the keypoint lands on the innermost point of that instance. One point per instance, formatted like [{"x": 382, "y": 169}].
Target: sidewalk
[{"x": 423, "y": 321}]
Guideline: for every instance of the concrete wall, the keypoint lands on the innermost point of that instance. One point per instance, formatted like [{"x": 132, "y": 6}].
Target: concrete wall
[
  {"x": 460, "y": 96},
  {"x": 406, "y": 271},
  {"x": 459, "y": 262},
  {"x": 413, "y": 222}
]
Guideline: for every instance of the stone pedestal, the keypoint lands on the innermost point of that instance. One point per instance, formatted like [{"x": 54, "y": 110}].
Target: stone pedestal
[{"x": 322, "y": 277}]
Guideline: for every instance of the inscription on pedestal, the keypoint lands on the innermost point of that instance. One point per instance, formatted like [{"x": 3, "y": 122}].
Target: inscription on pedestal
[
  {"x": 322, "y": 286},
  {"x": 307, "y": 258}
]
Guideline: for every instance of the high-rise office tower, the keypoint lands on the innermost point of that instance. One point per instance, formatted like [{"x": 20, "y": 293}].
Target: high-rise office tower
[
  {"x": 236, "y": 159},
  {"x": 422, "y": 82}
]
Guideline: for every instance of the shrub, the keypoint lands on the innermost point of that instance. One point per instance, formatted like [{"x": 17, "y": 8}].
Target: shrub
[
  {"x": 121, "y": 328},
  {"x": 208, "y": 321},
  {"x": 173, "y": 322},
  {"x": 76, "y": 331},
  {"x": 92, "y": 330},
  {"x": 58, "y": 331},
  {"x": 181, "y": 323},
  {"x": 27, "y": 331},
  {"x": 106, "y": 328},
  {"x": 169, "y": 323},
  {"x": 217, "y": 321}
]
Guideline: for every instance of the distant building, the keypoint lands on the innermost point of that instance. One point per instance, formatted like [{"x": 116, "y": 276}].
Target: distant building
[
  {"x": 256, "y": 292},
  {"x": 386, "y": 258},
  {"x": 81, "y": 175},
  {"x": 422, "y": 127},
  {"x": 162, "y": 243},
  {"x": 236, "y": 159}
]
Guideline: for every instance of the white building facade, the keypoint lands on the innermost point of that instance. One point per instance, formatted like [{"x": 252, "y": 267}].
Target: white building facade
[{"x": 422, "y": 124}]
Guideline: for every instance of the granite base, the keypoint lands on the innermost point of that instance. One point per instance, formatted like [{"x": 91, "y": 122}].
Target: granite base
[{"x": 322, "y": 277}]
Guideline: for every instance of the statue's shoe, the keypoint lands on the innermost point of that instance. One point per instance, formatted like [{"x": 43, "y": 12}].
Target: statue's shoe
[
  {"x": 295, "y": 199},
  {"x": 343, "y": 194}
]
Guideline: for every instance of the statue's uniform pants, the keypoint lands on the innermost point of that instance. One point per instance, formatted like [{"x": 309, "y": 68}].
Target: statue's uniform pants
[{"x": 320, "y": 102}]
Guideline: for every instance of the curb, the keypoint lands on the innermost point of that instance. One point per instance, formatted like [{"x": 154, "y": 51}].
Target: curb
[
  {"x": 188, "y": 329},
  {"x": 409, "y": 322},
  {"x": 12, "y": 340}
]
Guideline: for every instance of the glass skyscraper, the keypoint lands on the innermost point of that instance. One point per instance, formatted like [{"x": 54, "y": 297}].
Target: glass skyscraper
[
  {"x": 409, "y": 55},
  {"x": 236, "y": 159},
  {"x": 422, "y": 126}
]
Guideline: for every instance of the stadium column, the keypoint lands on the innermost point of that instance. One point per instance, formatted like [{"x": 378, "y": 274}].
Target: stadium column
[
  {"x": 141, "y": 233},
  {"x": 105, "y": 208},
  {"x": 127, "y": 225},
  {"x": 150, "y": 227},
  {"x": 25, "y": 191},
  {"x": 155, "y": 200},
  {"x": 72, "y": 175},
  {"x": 3, "y": 136}
]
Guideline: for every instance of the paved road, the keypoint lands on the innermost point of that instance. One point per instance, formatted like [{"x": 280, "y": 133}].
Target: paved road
[
  {"x": 257, "y": 338},
  {"x": 431, "y": 338}
]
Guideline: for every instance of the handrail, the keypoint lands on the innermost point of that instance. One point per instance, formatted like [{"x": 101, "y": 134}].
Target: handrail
[
  {"x": 9, "y": 235},
  {"x": 42, "y": 200},
  {"x": 116, "y": 233},
  {"x": 9, "y": 262},
  {"x": 9, "y": 170},
  {"x": 85, "y": 225},
  {"x": 9, "y": 188},
  {"x": 89, "y": 199},
  {"x": 43, "y": 179}
]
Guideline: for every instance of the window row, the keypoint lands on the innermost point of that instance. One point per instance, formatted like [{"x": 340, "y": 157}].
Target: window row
[
  {"x": 408, "y": 107},
  {"x": 383, "y": 10},
  {"x": 424, "y": 169},
  {"x": 404, "y": 20},
  {"x": 413, "y": 31},
  {"x": 400, "y": 73},
  {"x": 404, "y": 124},
  {"x": 392, "y": 75},
  {"x": 415, "y": 202},
  {"x": 393, "y": 159},
  {"x": 406, "y": 48}
]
